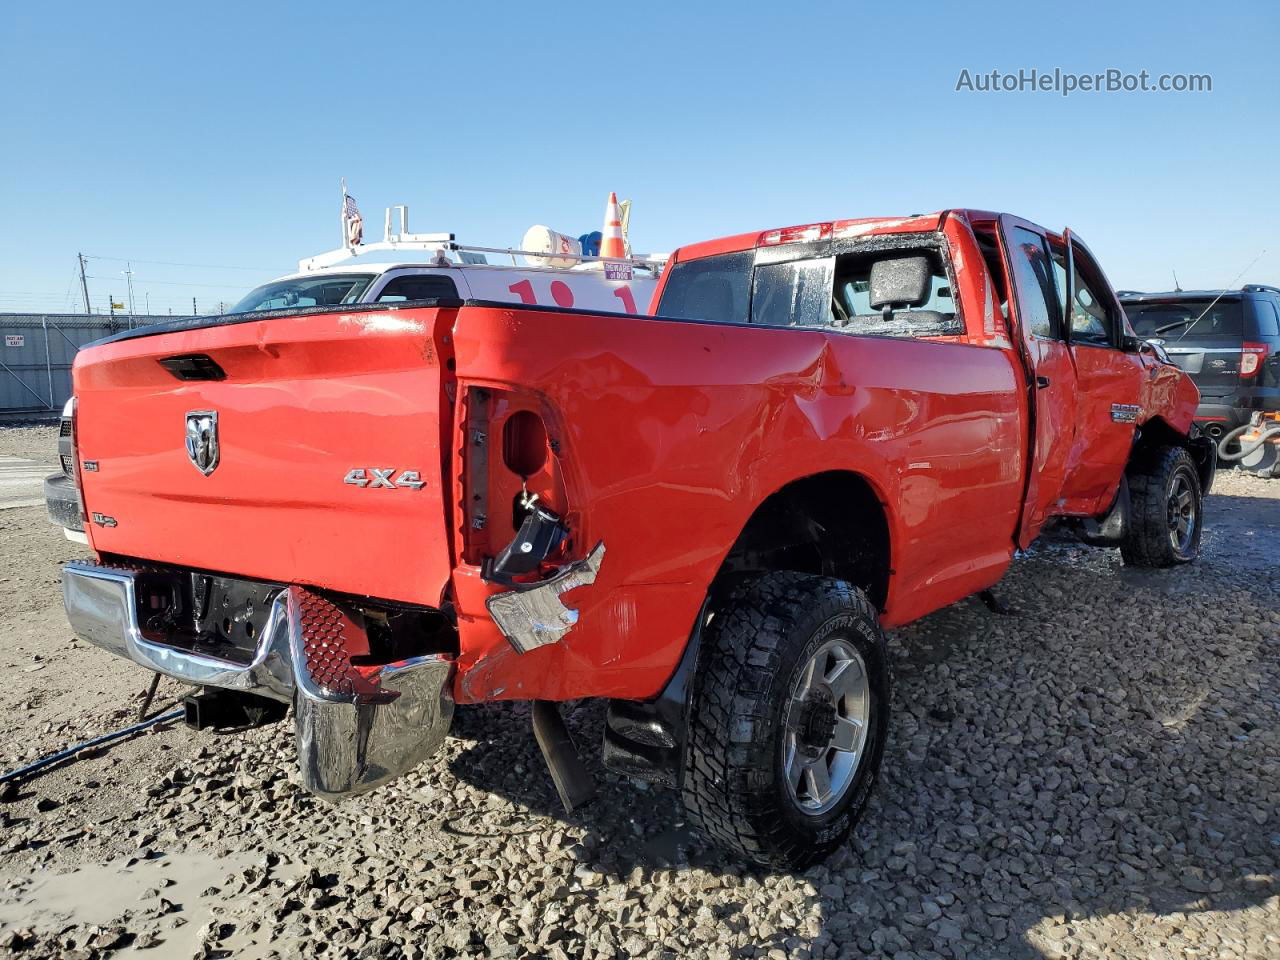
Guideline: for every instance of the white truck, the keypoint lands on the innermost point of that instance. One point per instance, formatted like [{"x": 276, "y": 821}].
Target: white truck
[{"x": 553, "y": 275}]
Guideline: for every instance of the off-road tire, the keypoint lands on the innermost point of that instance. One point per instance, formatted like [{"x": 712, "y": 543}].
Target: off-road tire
[
  {"x": 733, "y": 783},
  {"x": 1152, "y": 478}
]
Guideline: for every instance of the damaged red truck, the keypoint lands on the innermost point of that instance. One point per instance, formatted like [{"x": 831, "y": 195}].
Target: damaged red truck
[{"x": 706, "y": 515}]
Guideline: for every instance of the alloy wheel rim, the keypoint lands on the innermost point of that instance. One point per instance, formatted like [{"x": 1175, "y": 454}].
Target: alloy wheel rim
[
  {"x": 825, "y": 727},
  {"x": 1181, "y": 513}
]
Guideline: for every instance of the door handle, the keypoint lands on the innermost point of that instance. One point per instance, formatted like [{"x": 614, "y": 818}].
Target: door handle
[{"x": 1042, "y": 382}]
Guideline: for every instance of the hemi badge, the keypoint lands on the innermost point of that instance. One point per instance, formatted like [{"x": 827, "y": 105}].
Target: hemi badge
[{"x": 1125, "y": 412}]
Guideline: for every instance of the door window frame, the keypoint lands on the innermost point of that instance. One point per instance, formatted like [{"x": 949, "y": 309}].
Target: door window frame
[
  {"x": 1088, "y": 271},
  {"x": 1015, "y": 280}
]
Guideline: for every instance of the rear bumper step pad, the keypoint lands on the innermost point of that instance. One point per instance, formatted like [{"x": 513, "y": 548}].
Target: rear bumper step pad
[{"x": 356, "y": 727}]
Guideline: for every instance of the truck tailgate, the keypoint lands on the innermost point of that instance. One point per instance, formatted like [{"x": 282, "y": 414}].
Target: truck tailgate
[{"x": 309, "y": 406}]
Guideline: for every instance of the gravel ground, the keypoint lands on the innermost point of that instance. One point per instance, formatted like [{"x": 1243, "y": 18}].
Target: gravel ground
[
  {"x": 1095, "y": 775},
  {"x": 39, "y": 443}
]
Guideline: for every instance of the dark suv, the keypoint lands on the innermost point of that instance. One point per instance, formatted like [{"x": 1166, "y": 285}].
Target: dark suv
[{"x": 1227, "y": 340}]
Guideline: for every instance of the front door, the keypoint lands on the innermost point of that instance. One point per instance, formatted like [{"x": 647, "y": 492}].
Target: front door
[
  {"x": 1052, "y": 404},
  {"x": 1108, "y": 381}
]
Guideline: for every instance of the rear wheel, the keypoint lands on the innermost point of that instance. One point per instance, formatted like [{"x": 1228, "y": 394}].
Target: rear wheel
[
  {"x": 788, "y": 719},
  {"x": 1166, "y": 510}
]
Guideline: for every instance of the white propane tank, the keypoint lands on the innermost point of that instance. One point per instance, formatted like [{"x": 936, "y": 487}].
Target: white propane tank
[{"x": 561, "y": 251}]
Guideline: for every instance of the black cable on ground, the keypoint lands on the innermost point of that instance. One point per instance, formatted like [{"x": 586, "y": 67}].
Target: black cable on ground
[
  {"x": 52, "y": 758},
  {"x": 1243, "y": 452}
]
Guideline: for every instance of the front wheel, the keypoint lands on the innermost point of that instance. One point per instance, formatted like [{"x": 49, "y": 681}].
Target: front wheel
[
  {"x": 1166, "y": 510},
  {"x": 788, "y": 719}
]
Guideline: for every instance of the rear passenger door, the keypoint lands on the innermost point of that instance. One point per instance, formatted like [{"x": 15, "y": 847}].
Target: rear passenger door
[{"x": 1037, "y": 316}]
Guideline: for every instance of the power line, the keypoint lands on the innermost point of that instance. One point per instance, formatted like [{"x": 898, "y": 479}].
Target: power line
[
  {"x": 171, "y": 263},
  {"x": 178, "y": 283}
]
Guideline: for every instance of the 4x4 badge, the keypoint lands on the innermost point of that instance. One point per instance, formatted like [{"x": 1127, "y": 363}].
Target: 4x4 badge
[
  {"x": 384, "y": 477},
  {"x": 202, "y": 440}
]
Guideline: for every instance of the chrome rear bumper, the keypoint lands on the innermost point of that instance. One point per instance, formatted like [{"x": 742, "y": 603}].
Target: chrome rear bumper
[{"x": 349, "y": 739}]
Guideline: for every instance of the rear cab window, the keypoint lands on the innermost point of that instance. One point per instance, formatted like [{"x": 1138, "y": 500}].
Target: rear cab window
[
  {"x": 793, "y": 293},
  {"x": 715, "y": 288},
  {"x": 858, "y": 312},
  {"x": 809, "y": 287}
]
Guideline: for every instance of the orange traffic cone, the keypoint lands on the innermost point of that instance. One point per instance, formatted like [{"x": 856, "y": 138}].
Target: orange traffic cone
[{"x": 611, "y": 243}]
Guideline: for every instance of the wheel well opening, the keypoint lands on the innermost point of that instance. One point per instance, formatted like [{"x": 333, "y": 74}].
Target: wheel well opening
[
  {"x": 831, "y": 524},
  {"x": 1156, "y": 433}
]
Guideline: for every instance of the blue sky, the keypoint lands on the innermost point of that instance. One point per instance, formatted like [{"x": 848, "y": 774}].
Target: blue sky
[{"x": 215, "y": 134}]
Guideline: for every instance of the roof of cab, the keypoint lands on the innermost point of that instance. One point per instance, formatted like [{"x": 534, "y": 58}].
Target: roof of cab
[
  {"x": 830, "y": 229},
  {"x": 375, "y": 268}
]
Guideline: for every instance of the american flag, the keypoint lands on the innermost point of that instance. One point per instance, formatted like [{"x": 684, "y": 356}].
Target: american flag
[{"x": 352, "y": 220}]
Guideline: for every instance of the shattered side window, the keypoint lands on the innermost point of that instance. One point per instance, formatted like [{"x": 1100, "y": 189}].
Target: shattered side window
[
  {"x": 711, "y": 288},
  {"x": 795, "y": 293}
]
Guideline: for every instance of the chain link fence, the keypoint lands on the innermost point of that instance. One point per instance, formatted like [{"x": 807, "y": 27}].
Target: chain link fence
[{"x": 36, "y": 353}]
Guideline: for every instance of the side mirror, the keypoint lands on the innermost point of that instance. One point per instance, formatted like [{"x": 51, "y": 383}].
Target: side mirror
[{"x": 1138, "y": 345}]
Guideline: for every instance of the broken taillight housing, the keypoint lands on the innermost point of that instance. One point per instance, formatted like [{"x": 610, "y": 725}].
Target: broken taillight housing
[
  {"x": 1251, "y": 358},
  {"x": 76, "y": 476}
]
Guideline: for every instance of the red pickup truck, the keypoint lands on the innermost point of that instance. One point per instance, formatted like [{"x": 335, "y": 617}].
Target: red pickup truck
[{"x": 706, "y": 515}]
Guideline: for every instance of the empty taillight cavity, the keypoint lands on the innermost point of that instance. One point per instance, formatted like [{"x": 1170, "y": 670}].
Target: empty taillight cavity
[{"x": 524, "y": 443}]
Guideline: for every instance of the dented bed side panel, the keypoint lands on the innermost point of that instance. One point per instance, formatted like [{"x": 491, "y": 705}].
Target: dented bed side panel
[{"x": 668, "y": 434}]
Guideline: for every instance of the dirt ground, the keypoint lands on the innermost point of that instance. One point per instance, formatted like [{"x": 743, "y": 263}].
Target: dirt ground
[{"x": 1095, "y": 775}]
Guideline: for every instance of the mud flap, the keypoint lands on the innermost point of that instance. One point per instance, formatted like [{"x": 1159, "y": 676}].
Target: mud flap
[{"x": 572, "y": 779}]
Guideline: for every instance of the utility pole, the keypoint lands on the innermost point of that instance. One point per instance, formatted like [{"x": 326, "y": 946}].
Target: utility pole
[
  {"x": 193, "y": 306},
  {"x": 129, "y": 276},
  {"x": 84, "y": 287},
  {"x": 148, "y": 296}
]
